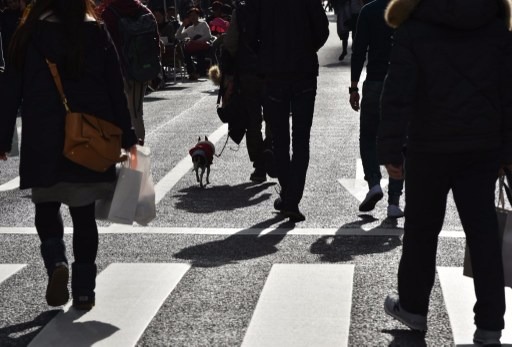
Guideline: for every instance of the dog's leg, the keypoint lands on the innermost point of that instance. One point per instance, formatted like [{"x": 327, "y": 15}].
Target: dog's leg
[
  {"x": 208, "y": 174},
  {"x": 202, "y": 174},
  {"x": 197, "y": 174}
]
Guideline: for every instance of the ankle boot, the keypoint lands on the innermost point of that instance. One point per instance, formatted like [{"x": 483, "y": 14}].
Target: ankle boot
[
  {"x": 54, "y": 257},
  {"x": 83, "y": 282}
]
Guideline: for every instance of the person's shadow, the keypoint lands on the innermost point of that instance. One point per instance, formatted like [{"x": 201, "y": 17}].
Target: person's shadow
[
  {"x": 246, "y": 244},
  {"x": 340, "y": 248},
  {"x": 402, "y": 338},
  {"x": 221, "y": 198},
  {"x": 89, "y": 332}
]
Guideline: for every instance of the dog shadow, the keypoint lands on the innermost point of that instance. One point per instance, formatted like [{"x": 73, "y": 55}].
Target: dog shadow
[
  {"x": 244, "y": 245},
  {"x": 221, "y": 198},
  {"x": 340, "y": 248}
]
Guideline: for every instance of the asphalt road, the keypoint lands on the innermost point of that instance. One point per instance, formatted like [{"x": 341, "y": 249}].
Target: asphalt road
[{"x": 231, "y": 237}]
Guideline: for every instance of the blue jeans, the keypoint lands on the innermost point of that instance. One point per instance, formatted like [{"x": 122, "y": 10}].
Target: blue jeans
[
  {"x": 369, "y": 126},
  {"x": 282, "y": 99}
]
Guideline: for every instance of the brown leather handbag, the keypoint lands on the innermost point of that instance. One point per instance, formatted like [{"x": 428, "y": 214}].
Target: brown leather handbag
[{"x": 89, "y": 141}]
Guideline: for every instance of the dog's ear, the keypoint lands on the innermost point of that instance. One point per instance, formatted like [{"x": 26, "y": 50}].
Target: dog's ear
[
  {"x": 206, "y": 138},
  {"x": 199, "y": 139}
]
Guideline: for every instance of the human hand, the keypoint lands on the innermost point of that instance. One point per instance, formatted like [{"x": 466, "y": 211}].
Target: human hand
[
  {"x": 3, "y": 156},
  {"x": 395, "y": 172},
  {"x": 354, "y": 101}
]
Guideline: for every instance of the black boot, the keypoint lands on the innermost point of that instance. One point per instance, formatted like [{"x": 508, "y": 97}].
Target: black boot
[
  {"x": 83, "y": 282},
  {"x": 53, "y": 251}
]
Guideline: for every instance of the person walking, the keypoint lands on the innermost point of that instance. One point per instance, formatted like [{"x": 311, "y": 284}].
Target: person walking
[
  {"x": 372, "y": 39},
  {"x": 112, "y": 14},
  {"x": 245, "y": 68},
  {"x": 456, "y": 113},
  {"x": 66, "y": 33},
  {"x": 289, "y": 63}
]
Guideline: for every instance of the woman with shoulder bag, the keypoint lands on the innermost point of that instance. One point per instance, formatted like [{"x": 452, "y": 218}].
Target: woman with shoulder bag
[{"x": 66, "y": 33}]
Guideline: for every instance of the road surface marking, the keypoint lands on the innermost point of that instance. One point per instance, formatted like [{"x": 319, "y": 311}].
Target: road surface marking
[
  {"x": 7, "y": 270},
  {"x": 358, "y": 187},
  {"x": 11, "y": 185},
  {"x": 459, "y": 298},
  {"x": 303, "y": 305},
  {"x": 128, "y": 296},
  {"x": 126, "y": 229}
]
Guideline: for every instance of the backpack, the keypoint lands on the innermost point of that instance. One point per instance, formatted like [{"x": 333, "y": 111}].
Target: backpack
[{"x": 140, "y": 50}]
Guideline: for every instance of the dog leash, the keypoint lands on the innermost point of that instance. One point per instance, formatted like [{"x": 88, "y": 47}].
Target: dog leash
[{"x": 223, "y": 148}]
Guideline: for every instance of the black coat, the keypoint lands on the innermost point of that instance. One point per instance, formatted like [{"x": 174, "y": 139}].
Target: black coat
[
  {"x": 290, "y": 32},
  {"x": 449, "y": 85},
  {"x": 98, "y": 92}
]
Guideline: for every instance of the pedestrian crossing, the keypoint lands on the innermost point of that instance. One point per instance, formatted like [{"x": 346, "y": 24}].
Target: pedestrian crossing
[{"x": 299, "y": 305}]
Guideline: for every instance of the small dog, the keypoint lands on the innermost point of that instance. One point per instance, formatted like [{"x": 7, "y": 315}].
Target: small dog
[{"x": 202, "y": 157}]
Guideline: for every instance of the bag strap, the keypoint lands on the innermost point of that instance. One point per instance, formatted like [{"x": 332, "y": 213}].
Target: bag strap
[{"x": 58, "y": 83}]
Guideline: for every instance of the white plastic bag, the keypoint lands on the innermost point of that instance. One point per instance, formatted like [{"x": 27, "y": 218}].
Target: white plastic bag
[
  {"x": 146, "y": 206},
  {"x": 126, "y": 194}
]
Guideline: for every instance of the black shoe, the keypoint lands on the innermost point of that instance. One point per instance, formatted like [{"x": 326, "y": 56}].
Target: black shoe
[
  {"x": 57, "y": 293},
  {"x": 342, "y": 56},
  {"x": 84, "y": 303},
  {"x": 258, "y": 176},
  {"x": 270, "y": 166},
  {"x": 279, "y": 204},
  {"x": 294, "y": 215},
  {"x": 83, "y": 283}
]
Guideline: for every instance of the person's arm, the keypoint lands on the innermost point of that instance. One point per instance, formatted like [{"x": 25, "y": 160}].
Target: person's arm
[
  {"x": 11, "y": 90},
  {"x": 2, "y": 61},
  {"x": 397, "y": 101},
  {"x": 359, "y": 50},
  {"x": 506, "y": 92},
  {"x": 115, "y": 87},
  {"x": 319, "y": 24},
  {"x": 232, "y": 36},
  {"x": 182, "y": 34},
  {"x": 204, "y": 31}
]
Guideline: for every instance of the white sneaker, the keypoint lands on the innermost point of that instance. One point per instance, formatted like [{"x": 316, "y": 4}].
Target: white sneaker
[
  {"x": 394, "y": 211},
  {"x": 372, "y": 197}
]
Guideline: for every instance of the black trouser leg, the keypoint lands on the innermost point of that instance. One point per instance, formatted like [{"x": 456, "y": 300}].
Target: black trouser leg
[
  {"x": 50, "y": 229},
  {"x": 474, "y": 193},
  {"x": 426, "y": 188},
  {"x": 85, "y": 248},
  {"x": 251, "y": 91}
]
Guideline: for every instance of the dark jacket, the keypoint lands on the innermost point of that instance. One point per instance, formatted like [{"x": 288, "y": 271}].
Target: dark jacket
[
  {"x": 373, "y": 38},
  {"x": 291, "y": 32},
  {"x": 99, "y": 92},
  {"x": 449, "y": 81},
  {"x": 125, "y": 8}
]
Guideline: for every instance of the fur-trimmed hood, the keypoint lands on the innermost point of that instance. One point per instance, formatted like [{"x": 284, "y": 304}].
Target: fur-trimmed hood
[{"x": 464, "y": 14}]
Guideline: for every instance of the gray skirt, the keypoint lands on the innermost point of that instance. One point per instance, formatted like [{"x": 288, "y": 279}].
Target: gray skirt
[{"x": 74, "y": 194}]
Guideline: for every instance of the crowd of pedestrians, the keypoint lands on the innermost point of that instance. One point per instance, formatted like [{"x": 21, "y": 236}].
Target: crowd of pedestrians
[{"x": 436, "y": 118}]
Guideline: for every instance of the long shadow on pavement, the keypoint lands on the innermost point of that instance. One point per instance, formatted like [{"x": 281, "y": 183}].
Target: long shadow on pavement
[
  {"x": 221, "y": 198},
  {"x": 406, "y": 338},
  {"x": 22, "y": 333},
  {"x": 240, "y": 246},
  {"x": 340, "y": 248}
]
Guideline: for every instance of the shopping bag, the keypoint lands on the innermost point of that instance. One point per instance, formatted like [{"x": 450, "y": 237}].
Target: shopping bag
[
  {"x": 505, "y": 229},
  {"x": 145, "y": 211},
  {"x": 126, "y": 195}
]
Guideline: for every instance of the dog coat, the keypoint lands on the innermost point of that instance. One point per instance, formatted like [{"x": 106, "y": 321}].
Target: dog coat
[{"x": 206, "y": 149}]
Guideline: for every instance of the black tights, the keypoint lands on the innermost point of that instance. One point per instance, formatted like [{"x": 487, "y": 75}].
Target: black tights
[{"x": 85, "y": 232}]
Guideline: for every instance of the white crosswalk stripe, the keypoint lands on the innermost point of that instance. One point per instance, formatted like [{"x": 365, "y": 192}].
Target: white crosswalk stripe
[
  {"x": 303, "y": 305},
  {"x": 128, "y": 296},
  {"x": 459, "y": 296},
  {"x": 7, "y": 270},
  {"x": 299, "y": 305}
]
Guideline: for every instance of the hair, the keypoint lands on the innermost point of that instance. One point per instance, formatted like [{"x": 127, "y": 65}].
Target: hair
[{"x": 71, "y": 15}]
